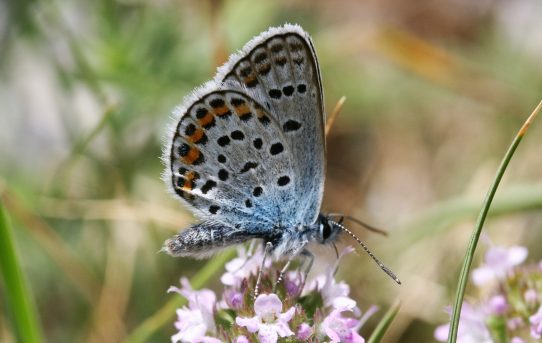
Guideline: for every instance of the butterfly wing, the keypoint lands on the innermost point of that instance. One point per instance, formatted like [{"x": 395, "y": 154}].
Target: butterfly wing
[
  {"x": 230, "y": 162},
  {"x": 279, "y": 69}
]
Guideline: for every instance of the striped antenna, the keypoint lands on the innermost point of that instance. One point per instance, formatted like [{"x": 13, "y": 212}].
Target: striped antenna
[{"x": 377, "y": 261}]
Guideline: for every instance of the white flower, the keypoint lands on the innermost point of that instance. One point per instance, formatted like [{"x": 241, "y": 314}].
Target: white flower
[
  {"x": 498, "y": 262},
  {"x": 334, "y": 293},
  {"x": 536, "y": 324},
  {"x": 269, "y": 322},
  {"x": 341, "y": 329},
  {"x": 196, "y": 320},
  {"x": 472, "y": 327}
]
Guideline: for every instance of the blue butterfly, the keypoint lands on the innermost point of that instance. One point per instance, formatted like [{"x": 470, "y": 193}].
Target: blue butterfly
[{"x": 247, "y": 152}]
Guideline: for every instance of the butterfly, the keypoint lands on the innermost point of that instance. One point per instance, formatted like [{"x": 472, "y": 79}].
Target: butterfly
[{"x": 247, "y": 151}]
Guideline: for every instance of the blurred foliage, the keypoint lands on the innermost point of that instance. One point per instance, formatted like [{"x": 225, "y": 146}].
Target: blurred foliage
[{"x": 434, "y": 95}]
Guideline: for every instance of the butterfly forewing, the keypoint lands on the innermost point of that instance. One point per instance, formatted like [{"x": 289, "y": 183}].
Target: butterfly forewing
[
  {"x": 231, "y": 162},
  {"x": 279, "y": 68}
]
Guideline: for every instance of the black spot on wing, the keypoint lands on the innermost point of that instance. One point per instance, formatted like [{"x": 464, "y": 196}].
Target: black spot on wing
[
  {"x": 291, "y": 125},
  {"x": 275, "y": 93},
  {"x": 276, "y": 148},
  {"x": 288, "y": 90},
  {"x": 283, "y": 180},
  {"x": 223, "y": 174},
  {"x": 223, "y": 141},
  {"x": 210, "y": 184},
  {"x": 257, "y": 191},
  {"x": 258, "y": 143},
  {"x": 183, "y": 149},
  {"x": 237, "y": 135},
  {"x": 248, "y": 166}
]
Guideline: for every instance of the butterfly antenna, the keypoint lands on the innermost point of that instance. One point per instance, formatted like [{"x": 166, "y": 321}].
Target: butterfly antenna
[
  {"x": 377, "y": 261},
  {"x": 359, "y": 222}
]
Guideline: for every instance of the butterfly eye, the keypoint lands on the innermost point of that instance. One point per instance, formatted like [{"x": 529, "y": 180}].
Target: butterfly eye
[{"x": 326, "y": 231}]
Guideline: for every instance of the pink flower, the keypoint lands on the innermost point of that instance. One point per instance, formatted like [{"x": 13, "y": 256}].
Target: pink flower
[
  {"x": 514, "y": 323},
  {"x": 531, "y": 297},
  {"x": 334, "y": 293},
  {"x": 498, "y": 262},
  {"x": 341, "y": 329},
  {"x": 232, "y": 299},
  {"x": 536, "y": 324},
  {"x": 304, "y": 332},
  {"x": 292, "y": 283},
  {"x": 194, "y": 321},
  {"x": 243, "y": 266},
  {"x": 242, "y": 339},
  {"x": 516, "y": 340},
  {"x": 472, "y": 327},
  {"x": 269, "y": 322},
  {"x": 498, "y": 304}
]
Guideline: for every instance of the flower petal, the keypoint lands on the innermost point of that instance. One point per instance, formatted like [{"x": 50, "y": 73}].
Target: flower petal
[
  {"x": 251, "y": 324},
  {"x": 267, "y": 304},
  {"x": 282, "y": 329},
  {"x": 516, "y": 255},
  {"x": 441, "y": 333},
  {"x": 267, "y": 334},
  {"x": 287, "y": 316},
  {"x": 482, "y": 275}
]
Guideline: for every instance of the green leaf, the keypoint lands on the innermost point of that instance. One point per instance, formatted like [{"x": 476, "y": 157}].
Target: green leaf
[{"x": 21, "y": 301}]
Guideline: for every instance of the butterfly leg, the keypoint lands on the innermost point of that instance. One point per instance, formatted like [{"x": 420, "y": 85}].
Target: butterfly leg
[
  {"x": 309, "y": 259},
  {"x": 282, "y": 272},
  {"x": 268, "y": 247},
  {"x": 250, "y": 253}
]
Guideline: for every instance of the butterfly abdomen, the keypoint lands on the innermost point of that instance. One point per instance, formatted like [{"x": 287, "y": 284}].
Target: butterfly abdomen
[{"x": 202, "y": 240}]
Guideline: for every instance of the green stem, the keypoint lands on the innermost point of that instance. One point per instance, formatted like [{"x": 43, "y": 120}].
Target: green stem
[
  {"x": 25, "y": 317},
  {"x": 384, "y": 324},
  {"x": 464, "y": 274}
]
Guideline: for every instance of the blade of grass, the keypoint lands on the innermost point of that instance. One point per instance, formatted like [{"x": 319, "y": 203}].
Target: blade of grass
[
  {"x": 464, "y": 274},
  {"x": 385, "y": 323},
  {"x": 165, "y": 314},
  {"x": 74, "y": 268},
  {"x": 18, "y": 294},
  {"x": 334, "y": 114}
]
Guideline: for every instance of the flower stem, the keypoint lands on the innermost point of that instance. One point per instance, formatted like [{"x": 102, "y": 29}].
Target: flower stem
[
  {"x": 385, "y": 323},
  {"x": 463, "y": 276}
]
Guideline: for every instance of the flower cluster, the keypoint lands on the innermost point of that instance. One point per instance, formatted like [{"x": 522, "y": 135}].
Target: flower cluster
[
  {"x": 510, "y": 308},
  {"x": 288, "y": 311}
]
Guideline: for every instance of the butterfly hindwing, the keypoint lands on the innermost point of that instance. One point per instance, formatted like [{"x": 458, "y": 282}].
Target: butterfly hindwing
[
  {"x": 230, "y": 161},
  {"x": 279, "y": 69}
]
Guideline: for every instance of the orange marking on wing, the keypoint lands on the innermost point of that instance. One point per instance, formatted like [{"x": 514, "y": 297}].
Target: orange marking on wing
[
  {"x": 193, "y": 155},
  {"x": 208, "y": 118},
  {"x": 259, "y": 112},
  {"x": 220, "y": 111},
  {"x": 249, "y": 79},
  {"x": 196, "y": 136},
  {"x": 189, "y": 180},
  {"x": 242, "y": 110}
]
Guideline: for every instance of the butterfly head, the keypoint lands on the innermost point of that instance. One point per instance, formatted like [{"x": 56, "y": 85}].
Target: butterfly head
[{"x": 328, "y": 230}]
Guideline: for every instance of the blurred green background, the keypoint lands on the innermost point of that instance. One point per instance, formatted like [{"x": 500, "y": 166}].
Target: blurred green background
[{"x": 435, "y": 93}]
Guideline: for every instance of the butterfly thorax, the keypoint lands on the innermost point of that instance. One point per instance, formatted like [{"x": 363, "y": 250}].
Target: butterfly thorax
[{"x": 291, "y": 241}]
